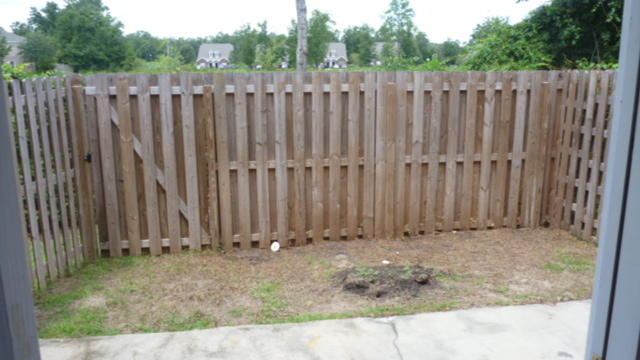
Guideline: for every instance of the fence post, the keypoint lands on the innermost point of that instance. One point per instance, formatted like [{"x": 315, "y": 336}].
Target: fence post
[{"x": 83, "y": 168}]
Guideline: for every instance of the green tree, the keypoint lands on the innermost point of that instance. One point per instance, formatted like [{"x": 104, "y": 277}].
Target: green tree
[
  {"x": 321, "y": 33},
  {"x": 90, "y": 38},
  {"x": 398, "y": 26},
  {"x": 425, "y": 47},
  {"x": 292, "y": 42},
  {"x": 187, "y": 53},
  {"x": 20, "y": 28},
  {"x": 496, "y": 45},
  {"x": 360, "y": 42},
  {"x": 578, "y": 29},
  {"x": 43, "y": 20},
  {"x": 273, "y": 54},
  {"x": 144, "y": 45},
  {"x": 39, "y": 49},
  {"x": 4, "y": 48},
  {"x": 450, "y": 51},
  {"x": 263, "y": 37},
  {"x": 244, "y": 51}
]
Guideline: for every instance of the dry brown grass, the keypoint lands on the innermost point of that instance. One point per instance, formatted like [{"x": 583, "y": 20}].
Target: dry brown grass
[{"x": 476, "y": 269}]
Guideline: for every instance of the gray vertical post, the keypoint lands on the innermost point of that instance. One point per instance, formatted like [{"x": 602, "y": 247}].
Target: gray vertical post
[
  {"x": 614, "y": 327},
  {"x": 18, "y": 332}
]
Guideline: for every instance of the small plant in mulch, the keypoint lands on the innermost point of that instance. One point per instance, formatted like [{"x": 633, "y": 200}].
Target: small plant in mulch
[{"x": 386, "y": 281}]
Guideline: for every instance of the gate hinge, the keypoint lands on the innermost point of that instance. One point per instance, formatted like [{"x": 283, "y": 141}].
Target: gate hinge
[{"x": 88, "y": 157}]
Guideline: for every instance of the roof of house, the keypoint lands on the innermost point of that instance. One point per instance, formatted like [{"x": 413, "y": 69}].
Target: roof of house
[
  {"x": 11, "y": 37},
  {"x": 339, "y": 48},
  {"x": 224, "y": 49}
]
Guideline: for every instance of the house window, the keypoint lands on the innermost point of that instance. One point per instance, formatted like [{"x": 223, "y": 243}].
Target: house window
[
  {"x": 12, "y": 63},
  {"x": 332, "y": 53},
  {"x": 210, "y": 54},
  {"x": 217, "y": 54}
]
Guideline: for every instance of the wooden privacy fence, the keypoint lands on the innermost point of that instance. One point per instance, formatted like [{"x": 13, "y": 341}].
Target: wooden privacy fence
[
  {"x": 580, "y": 151},
  {"x": 132, "y": 164},
  {"x": 242, "y": 160},
  {"x": 57, "y": 214}
]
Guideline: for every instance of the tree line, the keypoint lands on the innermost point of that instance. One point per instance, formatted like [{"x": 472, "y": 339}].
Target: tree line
[{"x": 558, "y": 34}]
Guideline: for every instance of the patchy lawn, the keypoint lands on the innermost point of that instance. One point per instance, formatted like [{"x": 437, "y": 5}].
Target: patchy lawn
[{"x": 204, "y": 289}]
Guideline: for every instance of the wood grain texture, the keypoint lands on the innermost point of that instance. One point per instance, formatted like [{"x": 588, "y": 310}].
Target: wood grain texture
[
  {"x": 222, "y": 151},
  {"x": 299, "y": 184},
  {"x": 30, "y": 194},
  {"x": 391, "y": 116},
  {"x": 368, "y": 183},
  {"x": 418, "y": 124},
  {"x": 401, "y": 154},
  {"x": 453, "y": 123},
  {"x": 488, "y": 125},
  {"x": 470, "y": 120},
  {"x": 335, "y": 130},
  {"x": 170, "y": 166},
  {"x": 262, "y": 181},
  {"x": 108, "y": 167},
  {"x": 434, "y": 153},
  {"x": 573, "y": 154},
  {"x": 353, "y": 151},
  {"x": 149, "y": 165},
  {"x": 190, "y": 160},
  {"x": 83, "y": 169},
  {"x": 317, "y": 144},
  {"x": 128, "y": 165},
  {"x": 597, "y": 155},
  {"x": 513, "y": 209},
  {"x": 585, "y": 150},
  {"x": 65, "y": 123},
  {"x": 282, "y": 196},
  {"x": 565, "y": 147},
  {"x": 242, "y": 151}
]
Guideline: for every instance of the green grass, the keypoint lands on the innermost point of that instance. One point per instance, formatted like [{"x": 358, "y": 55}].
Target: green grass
[
  {"x": 271, "y": 304},
  {"x": 236, "y": 312},
  {"x": 315, "y": 260},
  {"x": 365, "y": 271},
  {"x": 63, "y": 319},
  {"x": 524, "y": 296},
  {"x": 571, "y": 264},
  {"x": 89, "y": 321},
  {"x": 194, "y": 321},
  {"x": 374, "y": 311},
  {"x": 89, "y": 279},
  {"x": 447, "y": 277},
  {"x": 502, "y": 289}
]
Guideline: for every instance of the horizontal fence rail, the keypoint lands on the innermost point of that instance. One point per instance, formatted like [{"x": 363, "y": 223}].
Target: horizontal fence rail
[{"x": 177, "y": 161}]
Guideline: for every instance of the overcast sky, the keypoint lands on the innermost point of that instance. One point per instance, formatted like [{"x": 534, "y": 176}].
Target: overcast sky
[{"x": 439, "y": 19}]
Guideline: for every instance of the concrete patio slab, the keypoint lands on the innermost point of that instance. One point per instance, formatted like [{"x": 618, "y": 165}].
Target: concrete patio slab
[{"x": 514, "y": 332}]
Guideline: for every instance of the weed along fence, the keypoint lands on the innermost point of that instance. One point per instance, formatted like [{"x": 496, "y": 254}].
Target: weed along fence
[{"x": 241, "y": 160}]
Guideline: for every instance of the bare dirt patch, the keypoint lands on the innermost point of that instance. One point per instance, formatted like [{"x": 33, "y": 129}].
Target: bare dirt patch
[
  {"x": 386, "y": 281},
  {"x": 334, "y": 280}
]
